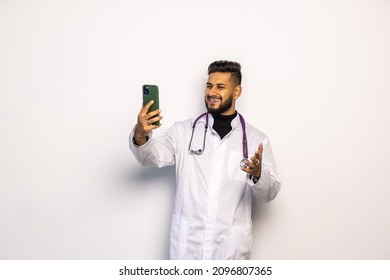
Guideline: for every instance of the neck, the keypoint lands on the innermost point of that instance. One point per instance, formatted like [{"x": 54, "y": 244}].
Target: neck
[
  {"x": 225, "y": 116},
  {"x": 229, "y": 112}
]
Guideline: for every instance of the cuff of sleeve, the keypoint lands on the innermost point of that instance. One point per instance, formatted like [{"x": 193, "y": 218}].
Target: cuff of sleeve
[
  {"x": 262, "y": 181},
  {"x": 132, "y": 141},
  {"x": 254, "y": 179},
  {"x": 136, "y": 145},
  {"x": 260, "y": 189}
]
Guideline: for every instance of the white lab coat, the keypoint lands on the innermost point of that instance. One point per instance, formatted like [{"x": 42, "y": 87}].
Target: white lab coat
[{"x": 212, "y": 211}]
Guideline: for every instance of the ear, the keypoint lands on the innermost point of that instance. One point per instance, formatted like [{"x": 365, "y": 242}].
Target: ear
[{"x": 237, "y": 92}]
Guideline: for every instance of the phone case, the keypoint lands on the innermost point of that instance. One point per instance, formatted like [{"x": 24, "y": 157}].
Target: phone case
[{"x": 150, "y": 92}]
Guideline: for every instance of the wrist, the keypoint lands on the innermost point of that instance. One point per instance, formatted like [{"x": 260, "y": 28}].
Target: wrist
[
  {"x": 140, "y": 140},
  {"x": 140, "y": 137}
]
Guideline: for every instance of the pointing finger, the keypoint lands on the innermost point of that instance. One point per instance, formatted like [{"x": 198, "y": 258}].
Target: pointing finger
[
  {"x": 259, "y": 152},
  {"x": 261, "y": 149}
]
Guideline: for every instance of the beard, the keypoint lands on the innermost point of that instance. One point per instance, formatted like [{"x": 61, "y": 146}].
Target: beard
[{"x": 225, "y": 105}]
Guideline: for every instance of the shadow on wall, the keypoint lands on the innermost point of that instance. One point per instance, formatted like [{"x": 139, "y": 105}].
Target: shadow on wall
[
  {"x": 142, "y": 180},
  {"x": 143, "y": 174},
  {"x": 260, "y": 211}
]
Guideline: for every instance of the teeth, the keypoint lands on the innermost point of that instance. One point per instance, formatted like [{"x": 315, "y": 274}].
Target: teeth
[{"x": 213, "y": 99}]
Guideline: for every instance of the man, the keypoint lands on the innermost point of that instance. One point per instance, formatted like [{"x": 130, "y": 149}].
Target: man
[{"x": 212, "y": 212}]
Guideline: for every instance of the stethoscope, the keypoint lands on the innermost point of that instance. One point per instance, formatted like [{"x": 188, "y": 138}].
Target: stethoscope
[{"x": 244, "y": 139}]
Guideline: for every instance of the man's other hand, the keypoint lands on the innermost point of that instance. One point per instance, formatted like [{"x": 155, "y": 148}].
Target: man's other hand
[{"x": 254, "y": 165}]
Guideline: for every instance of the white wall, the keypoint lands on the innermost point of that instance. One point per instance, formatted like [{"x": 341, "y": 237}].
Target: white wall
[{"x": 316, "y": 81}]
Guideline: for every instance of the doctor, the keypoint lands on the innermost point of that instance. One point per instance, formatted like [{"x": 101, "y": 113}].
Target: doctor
[{"x": 216, "y": 180}]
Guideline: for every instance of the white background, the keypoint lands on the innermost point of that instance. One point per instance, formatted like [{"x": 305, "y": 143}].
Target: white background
[{"x": 315, "y": 80}]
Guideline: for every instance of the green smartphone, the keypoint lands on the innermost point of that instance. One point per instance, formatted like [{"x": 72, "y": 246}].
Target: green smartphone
[{"x": 150, "y": 92}]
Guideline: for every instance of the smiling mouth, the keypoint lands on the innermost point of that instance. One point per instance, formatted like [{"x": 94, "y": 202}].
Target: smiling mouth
[{"x": 213, "y": 99}]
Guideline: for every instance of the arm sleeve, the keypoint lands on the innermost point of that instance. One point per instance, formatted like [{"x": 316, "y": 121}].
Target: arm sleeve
[
  {"x": 158, "y": 152},
  {"x": 268, "y": 185}
]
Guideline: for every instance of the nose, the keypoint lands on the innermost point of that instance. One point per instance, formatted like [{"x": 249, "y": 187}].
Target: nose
[{"x": 213, "y": 91}]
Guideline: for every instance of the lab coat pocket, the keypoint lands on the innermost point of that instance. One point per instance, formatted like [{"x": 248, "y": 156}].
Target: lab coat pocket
[
  {"x": 238, "y": 245},
  {"x": 234, "y": 171},
  {"x": 179, "y": 230}
]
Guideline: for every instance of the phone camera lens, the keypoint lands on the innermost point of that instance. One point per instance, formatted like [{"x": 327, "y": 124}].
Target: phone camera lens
[{"x": 146, "y": 90}]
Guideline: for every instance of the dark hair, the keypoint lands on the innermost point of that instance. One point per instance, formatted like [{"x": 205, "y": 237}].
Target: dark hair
[{"x": 227, "y": 67}]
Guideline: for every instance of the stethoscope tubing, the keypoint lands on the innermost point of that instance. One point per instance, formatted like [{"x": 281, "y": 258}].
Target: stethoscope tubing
[{"x": 244, "y": 137}]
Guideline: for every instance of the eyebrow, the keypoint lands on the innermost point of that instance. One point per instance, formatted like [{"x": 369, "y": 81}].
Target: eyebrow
[{"x": 218, "y": 84}]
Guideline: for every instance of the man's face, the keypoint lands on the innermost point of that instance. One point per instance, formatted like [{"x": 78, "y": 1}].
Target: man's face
[{"x": 220, "y": 94}]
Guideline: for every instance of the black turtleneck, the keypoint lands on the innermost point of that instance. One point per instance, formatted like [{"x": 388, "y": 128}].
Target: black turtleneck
[{"x": 222, "y": 124}]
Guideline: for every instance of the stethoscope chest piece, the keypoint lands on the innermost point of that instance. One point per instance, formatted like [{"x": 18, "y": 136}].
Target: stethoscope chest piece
[{"x": 243, "y": 164}]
